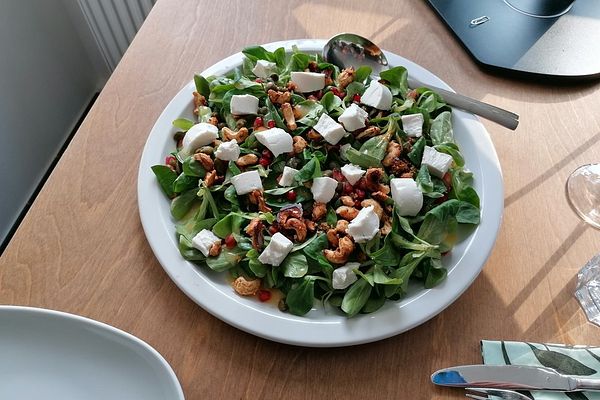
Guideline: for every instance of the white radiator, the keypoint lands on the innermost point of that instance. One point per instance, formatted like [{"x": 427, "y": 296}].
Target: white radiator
[{"x": 114, "y": 23}]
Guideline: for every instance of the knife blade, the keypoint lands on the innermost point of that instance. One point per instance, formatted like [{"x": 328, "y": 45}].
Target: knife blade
[{"x": 515, "y": 377}]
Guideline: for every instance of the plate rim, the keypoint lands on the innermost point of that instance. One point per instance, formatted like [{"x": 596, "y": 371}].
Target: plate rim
[
  {"x": 270, "y": 328},
  {"x": 87, "y": 322}
]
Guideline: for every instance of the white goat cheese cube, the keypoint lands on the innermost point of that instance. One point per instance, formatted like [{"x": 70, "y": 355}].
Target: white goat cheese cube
[
  {"x": 323, "y": 189},
  {"x": 264, "y": 68},
  {"x": 364, "y": 226},
  {"x": 204, "y": 240},
  {"x": 344, "y": 276},
  {"x": 246, "y": 182},
  {"x": 353, "y": 118},
  {"x": 276, "y": 251},
  {"x": 228, "y": 151},
  {"x": 377, "y": 96},
  {"x": 308, "y": 81},
  {"x": 352, "y": 173},
  {"x": 276, "y": 140},
  {"x": 331, "y": 131},
  {"x": 197, "y": 136},
  {"x": 287, "y": 177},
  {"x": 407, "y": 196},
  {"x": 412, "y": 124},
  {"x": 343, "y": 149},
  {"x": 437, "y": 162},
  {"x": 243, "y": 104}
]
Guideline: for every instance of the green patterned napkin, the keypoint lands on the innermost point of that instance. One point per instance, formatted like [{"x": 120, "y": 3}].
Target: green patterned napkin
[{"x": 570, "y": 360}]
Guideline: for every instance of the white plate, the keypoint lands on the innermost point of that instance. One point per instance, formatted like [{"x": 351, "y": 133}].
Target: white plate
[
  {"x": 52, "y": 355},
  {"x": 321, "y": 327}
]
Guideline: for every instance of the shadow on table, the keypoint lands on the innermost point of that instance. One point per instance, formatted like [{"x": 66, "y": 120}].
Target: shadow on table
[{"x": 552, "y": 170}]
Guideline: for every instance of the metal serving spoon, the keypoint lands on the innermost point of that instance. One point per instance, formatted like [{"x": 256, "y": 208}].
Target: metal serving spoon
[{"x": 348, "y": 49}]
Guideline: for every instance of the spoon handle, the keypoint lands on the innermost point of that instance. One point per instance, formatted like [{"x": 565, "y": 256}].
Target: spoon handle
[{"x": 498, "y": 115}]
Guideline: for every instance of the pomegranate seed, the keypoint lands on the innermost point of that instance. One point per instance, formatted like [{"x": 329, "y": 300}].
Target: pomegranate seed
[
  {"x": 356, "y": 98},
  {"x": 266, "y": 153},
  {"x": 338, "y": 92},
  {"x": 291, "y": 195},
  {"x": 170, "y": 160},
  {"x": 273, "y": 229},
  {"x": 271, "y": 124},
  {"x": 258, "y": 80},
  {"x": 264, "y": 162},
  {"x": 264, "y": 295},
  {"x": 230, "y": 242},
  {"x": 338, "y": 176},
  {"x": 356, "y": 203},
  {"x": 360, "y": 194},
  {"x": 348, "y": 188},
  {"x": 361, "y": 184},
  {"x": 258, "y": 122}
]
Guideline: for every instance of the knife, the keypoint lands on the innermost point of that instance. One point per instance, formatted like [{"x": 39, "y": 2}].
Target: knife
[{"x": 515, "y": 377}]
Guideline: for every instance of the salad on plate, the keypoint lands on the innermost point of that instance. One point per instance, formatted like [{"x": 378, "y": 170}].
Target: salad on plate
[{"x": 305, "y": 182}]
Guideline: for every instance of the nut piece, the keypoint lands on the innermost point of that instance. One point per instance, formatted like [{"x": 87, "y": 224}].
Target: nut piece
[
  {"x": 210, "y": 178},
  {"x": 205, "y": 160},
  {"x": 319, "y": 211},
  {"x": 215, "y": 249},
  {"x": 247, "y": 160},
  {"x": 298, "y": 226},
  {"x": 254, "y": 230},
  {"x": 213, "y": 121},
  {"x": 341, "y": 254},
  {"x": 288, "y": 115},
  {"x": 345, "y": 77},
  {"x": 199, "y": 100},
  {"x": 348, "y": 213},
  {"x": 387, "y": 225},
  {"x": 256, "y": 197},
  {"x": 245, "y": 287},
  {"x": 239, "y": 136},
  {"x": 373, "y": 178},
  {"x": 347, "y": 201},
  {"x": 299, "y": 144},
  {"x": 332, "y": 237},
  {"x": 333, "y": 234},
  {"x": 341, "y": 226},
  {"x": 370, "y": 132},
  {"x": 394, "y": 150},
  {"x": 380, "y": 196},
  {"x": 291, "y": 212},
  {"x": 277, "y": 97},
  {"x": 377, "y": 209},
  {"x": 314, "y": 136}
]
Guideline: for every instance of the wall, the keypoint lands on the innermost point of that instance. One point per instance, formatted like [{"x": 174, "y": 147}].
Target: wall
[{"x": 49, "y": 72}]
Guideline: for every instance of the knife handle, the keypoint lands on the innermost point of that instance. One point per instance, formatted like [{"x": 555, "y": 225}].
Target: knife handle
[
  {"x": 587, "y": 384},
  {"x": 498, "y": 115}
]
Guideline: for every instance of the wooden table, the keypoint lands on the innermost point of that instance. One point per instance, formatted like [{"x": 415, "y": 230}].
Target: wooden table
[{"x": 81, "y": 247}]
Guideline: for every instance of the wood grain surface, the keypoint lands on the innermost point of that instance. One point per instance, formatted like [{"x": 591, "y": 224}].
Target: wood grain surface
[{"x": 81, "y": 247}]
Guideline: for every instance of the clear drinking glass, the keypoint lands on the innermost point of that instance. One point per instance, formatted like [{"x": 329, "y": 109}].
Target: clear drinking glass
[{"x": 583, "y": 193}]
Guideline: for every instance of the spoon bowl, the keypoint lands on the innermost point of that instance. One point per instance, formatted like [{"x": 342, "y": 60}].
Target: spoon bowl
[{"x": 351, "y": 50}]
